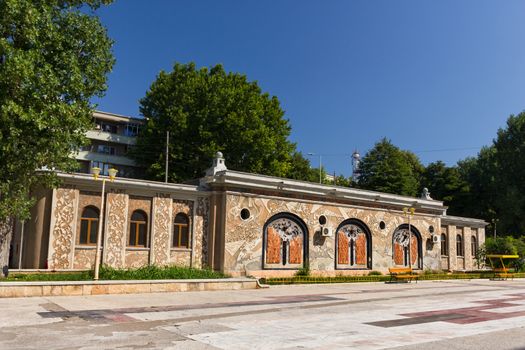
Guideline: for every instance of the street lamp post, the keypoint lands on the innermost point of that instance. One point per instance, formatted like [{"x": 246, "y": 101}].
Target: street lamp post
[
  {"x": 320, "y": 166},
  {"x": 409, "y": 212},
  {"x": 495, "y": 223},
  {"x": 112, "y": 174}
]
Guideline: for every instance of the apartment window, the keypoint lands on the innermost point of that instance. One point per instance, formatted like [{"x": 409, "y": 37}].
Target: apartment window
[
  {"x": 88, "y": 226},
  {"x": 181, "y": 231},
  {"x": 106, "y": 149},
  {"x": 131, "y": 129},
  {"x": 138, "y": 229}
]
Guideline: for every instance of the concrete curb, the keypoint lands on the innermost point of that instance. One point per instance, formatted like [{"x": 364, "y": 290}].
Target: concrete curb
[{"x": 67, "y": 288}]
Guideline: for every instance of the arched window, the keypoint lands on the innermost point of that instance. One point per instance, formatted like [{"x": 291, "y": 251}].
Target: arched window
[
  {"x": 138, "y": 229},
  {"x": 353, "y": 246},
  {"x": 459, "y": 245},
  {"x": 89, "y": 226},
  {"x": 444, "y": 247},
  {"x": 285, "y": 242},
  {"x": 181, "y": 231},
  {"x": 406, "y": 246},
  {"x": 474, "y": 246}
]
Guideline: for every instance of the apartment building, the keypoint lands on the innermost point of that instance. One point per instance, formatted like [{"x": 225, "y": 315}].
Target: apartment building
[{"x": 110, "y": 141}]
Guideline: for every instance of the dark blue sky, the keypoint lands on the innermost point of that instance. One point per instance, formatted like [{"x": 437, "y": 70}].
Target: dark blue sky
[{"x": 429, "y": 75}]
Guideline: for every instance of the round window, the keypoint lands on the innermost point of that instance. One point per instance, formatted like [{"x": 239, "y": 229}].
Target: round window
[
  {"x": 431, "y": 229},
  {"x": 382, "y": 225},
  {"x": 322, "y": 220},
  {"x": 245, "y": 214}
]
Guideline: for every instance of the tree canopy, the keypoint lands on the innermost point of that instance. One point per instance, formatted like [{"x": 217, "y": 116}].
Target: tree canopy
[
  {"x": 386, "y": 168},
  {"x": 53, "y": 59},
  {"x": 209, "y": 110}
]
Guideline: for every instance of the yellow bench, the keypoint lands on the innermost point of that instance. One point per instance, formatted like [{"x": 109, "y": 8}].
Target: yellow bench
[{"x": 402, "y": 274}]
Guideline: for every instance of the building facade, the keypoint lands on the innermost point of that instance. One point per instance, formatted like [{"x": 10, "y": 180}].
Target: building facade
[
  {"x": 110, "y": 141},
  {"x": 242, "y": 224}
]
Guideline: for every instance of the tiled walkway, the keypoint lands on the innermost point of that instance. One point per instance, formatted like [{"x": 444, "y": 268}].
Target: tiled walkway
[{"x": 351, "y": 316}]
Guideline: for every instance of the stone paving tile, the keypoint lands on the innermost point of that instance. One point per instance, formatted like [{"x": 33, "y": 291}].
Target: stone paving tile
[{"x": 291, "y": 317}]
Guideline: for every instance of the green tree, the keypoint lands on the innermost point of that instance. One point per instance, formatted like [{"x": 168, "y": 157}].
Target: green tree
[
  {"x": 445, "y": 183},
  {"x": 477, "y": 194},
  {"x": 386, "y": 168},
  {"x": 54, "y": 57},
  {"x": 301, "y": 169},
  {"x": 210, "y": 110},
  {"x": 510, "y": 162}
]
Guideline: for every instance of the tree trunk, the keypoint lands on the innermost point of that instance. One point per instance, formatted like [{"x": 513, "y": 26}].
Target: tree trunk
[{"x": 6, "y": 233}]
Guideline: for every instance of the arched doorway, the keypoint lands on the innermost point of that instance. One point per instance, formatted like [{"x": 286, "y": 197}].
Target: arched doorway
[
  {"x": 406, "y": 247},
  {"x": 285, "y": 242}
]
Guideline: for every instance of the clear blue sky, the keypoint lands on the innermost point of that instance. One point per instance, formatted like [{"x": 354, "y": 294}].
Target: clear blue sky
[{"x": 429, "y": 75}]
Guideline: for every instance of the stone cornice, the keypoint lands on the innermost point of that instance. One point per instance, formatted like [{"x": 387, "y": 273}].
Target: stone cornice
[
  {"x": 132, "y": 186},
  {"x": 239, "y": 180},
  {"x": 462, "y": 221}
]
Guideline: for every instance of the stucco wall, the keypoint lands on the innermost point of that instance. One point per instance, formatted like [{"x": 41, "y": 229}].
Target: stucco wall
[{"x": 244, "y": 238}]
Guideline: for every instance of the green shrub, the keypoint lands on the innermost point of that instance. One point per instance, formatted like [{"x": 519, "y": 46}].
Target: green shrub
[
  {"x": 157, "y": 273},
  {"x": 304, "y": 271},
  {"x": 374, "y": 273}
]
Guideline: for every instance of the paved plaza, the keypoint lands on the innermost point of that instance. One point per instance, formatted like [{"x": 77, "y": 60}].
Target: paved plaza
[{"x": 476, "y": 314}]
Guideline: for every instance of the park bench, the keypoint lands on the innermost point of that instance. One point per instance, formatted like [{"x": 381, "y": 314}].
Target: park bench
[{"x": 405, "y": 274}]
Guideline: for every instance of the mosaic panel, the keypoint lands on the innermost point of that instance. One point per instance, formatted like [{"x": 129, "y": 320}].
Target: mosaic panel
[
  {"x": 63, "y": 228},
  {"x": 161, "y": 231},
  {"x": 116, "y": 227}
]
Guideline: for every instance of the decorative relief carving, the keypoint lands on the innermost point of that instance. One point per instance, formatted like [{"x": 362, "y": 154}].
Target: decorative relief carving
[
  {"x": 200, "y": 232},
  {"x": 180, "y": 258},
  {"x": 63, "y": 229},
  {"x": 244, "y": 238},
  {"x": 115, "y": 244},
  {"x": 161, "y": 231},
  {"x": 84, "y": 259},
  {"x": 135, "y": 259}
]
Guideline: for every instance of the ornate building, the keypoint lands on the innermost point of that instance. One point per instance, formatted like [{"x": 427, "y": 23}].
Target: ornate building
[{"x": 242, "y": 224}]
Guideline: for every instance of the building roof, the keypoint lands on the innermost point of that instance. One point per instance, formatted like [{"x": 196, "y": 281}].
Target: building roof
[{"x": 118, "y": 118}]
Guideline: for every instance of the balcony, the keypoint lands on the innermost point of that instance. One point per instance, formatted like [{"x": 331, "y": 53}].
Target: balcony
[
  {"x": 110, "y": 137},
  {"x": 106, "y": 158}
]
